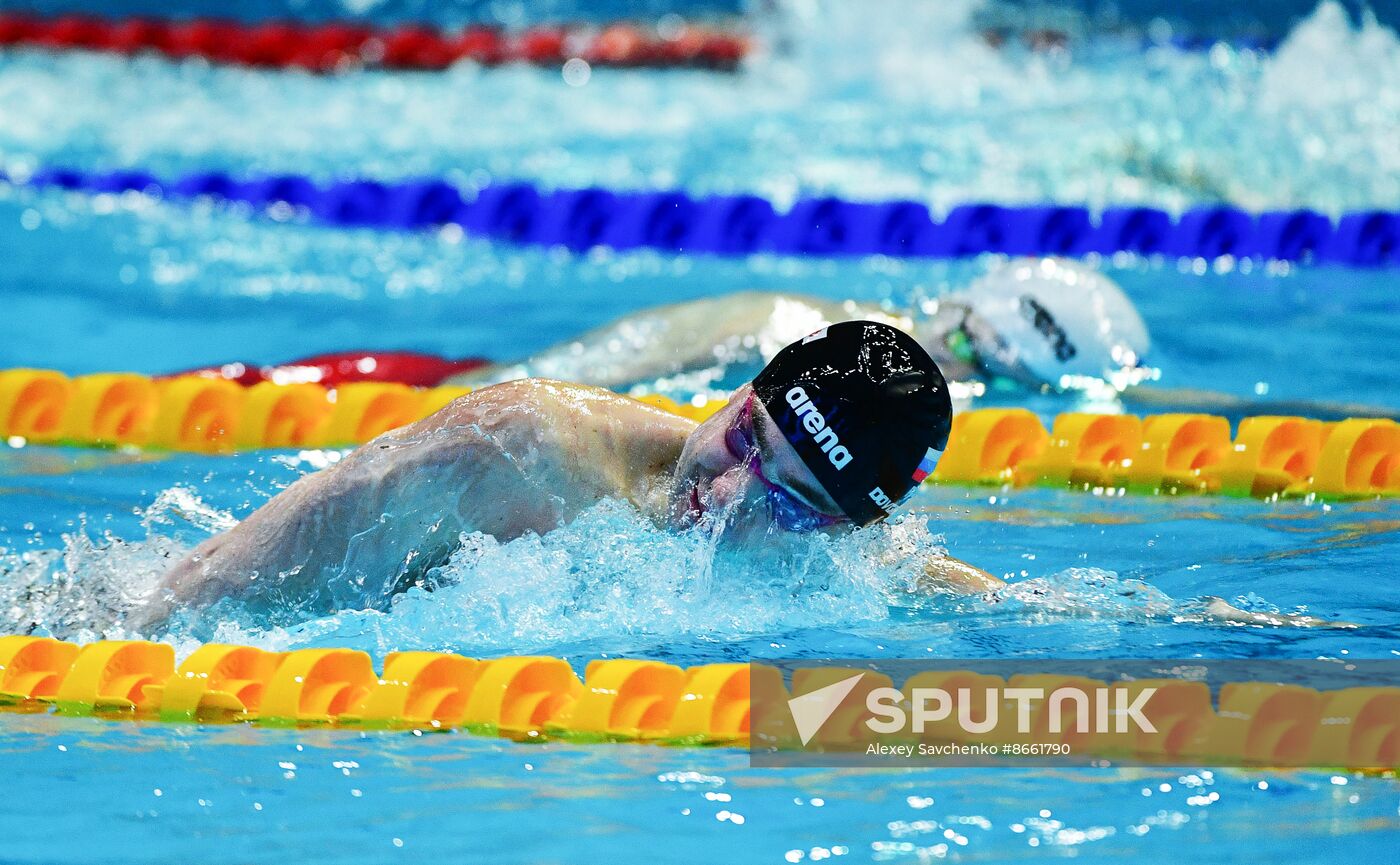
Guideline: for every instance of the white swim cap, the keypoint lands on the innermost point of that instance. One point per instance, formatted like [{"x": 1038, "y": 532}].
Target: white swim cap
[{"x": 1048, "y": 321}]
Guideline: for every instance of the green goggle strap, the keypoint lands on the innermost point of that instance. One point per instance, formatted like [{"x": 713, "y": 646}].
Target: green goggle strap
[{"x": 960, "y": 346}]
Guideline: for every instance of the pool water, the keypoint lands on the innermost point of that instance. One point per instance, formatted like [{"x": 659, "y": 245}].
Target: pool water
[{"x": 854, "y": 104}]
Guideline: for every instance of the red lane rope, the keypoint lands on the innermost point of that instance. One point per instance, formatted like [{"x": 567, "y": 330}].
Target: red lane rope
[
  {"x": 345, "y": 367},
  {"x": 340, "y": 46}
]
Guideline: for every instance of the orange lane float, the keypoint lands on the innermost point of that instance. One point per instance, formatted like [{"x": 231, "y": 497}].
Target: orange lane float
[
  {"x": 1178, "y": 452},
  {"x": 33, "y": 667},
  {"x": 216, "y": 682},
  {"x": 1166, "y": 454},
  {"x": 111, "y": 408},
  {"x": 32, "y": 403},
  {"x": 283, "y": 416}
]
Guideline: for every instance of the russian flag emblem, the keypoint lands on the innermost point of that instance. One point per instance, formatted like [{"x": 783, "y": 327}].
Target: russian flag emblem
[{"x": 926, "y": 465}]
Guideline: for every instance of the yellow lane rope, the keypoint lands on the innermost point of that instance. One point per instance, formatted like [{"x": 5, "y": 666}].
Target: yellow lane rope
[{"x": 540, "y": 697}]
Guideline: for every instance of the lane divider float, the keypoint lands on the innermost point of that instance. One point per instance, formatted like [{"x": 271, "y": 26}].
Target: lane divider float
[
  {"x": 1169, "y": 453},
  {"x": 736, "y": 225},
  {"x": 342, "y": 46},
  {"x": 637, "y": 700},
  {"x": 1175, "y": 454}
]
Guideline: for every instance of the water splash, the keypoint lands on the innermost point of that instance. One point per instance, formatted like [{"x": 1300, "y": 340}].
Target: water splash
[
  {"x": 613, "y": 574},
  {"x": 838, "y": 47},
  {"x": 610, "y": 578},
  {"x": 84, "y": 590},
  {"x": 1357, "y": 59}
]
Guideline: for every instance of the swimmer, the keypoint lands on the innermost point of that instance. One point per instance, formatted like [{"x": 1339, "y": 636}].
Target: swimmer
[
  {"x": 1033, "y": 323},
  {"x": 831, "y": 436},
  {"x": 1029, "y": 325}
]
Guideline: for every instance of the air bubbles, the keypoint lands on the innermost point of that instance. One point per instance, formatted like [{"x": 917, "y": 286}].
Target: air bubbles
[{"x": 577, "y": 72}]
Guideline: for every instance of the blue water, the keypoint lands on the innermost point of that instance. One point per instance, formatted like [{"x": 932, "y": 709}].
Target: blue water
[
  {"x": 1264, "y": 20},
  {"x": 93, "y": 283}
]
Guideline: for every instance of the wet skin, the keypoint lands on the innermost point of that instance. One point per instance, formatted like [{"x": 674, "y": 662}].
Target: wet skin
[{"x": 525, "y": 456}]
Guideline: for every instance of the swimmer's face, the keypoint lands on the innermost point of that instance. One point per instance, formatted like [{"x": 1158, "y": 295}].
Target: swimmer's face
[{"x": 738, "y": 466}]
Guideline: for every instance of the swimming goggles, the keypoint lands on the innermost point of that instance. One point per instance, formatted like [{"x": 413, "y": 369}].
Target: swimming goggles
[
  {"x": 977, "y": 343},
  {"x": 960, "y": 346},
  {"x": 789, "y": 512}
]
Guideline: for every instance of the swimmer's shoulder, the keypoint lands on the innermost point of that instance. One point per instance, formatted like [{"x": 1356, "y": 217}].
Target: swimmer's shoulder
[
  {"x": 603, "y": 442},
  {"x": 548, "y": 406}
]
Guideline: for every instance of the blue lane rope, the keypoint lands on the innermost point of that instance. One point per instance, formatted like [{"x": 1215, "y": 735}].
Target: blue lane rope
[{"x": 734, "y": 225}]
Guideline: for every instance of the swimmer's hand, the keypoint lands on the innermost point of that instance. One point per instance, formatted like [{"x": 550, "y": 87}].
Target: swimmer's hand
[
  {"x": 945, "y": 574},
  {"x": 1218, "y": 610}
]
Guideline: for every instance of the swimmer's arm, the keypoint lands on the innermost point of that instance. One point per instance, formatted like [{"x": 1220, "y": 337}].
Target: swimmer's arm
[
  {"x": 648, "y": 344},
  {"x": 945, "y": 574},
  {"x": 276, "y": 537},
  {"x": 1217, "y": 610},
  {"x": 655, "y": 342},
  {"x": 368, "y": 511},
  {"x": 941, "y": 574}
]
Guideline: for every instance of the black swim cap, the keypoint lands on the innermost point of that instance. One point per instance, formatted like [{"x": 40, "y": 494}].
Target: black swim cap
[{"x": 865, "y": 407}]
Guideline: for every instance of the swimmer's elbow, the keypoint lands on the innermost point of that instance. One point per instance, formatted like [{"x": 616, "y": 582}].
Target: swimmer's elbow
[{"x": 191, "y": 582}]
